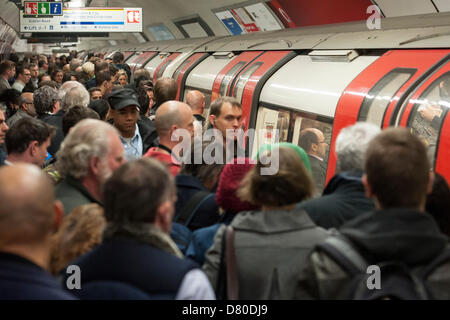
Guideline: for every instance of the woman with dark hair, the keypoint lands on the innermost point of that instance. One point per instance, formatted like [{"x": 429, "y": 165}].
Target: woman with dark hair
[{"x": 271, "y": 245}]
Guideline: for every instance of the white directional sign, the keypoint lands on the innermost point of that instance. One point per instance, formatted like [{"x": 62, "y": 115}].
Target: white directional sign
[{"x": 86, "y": 20}]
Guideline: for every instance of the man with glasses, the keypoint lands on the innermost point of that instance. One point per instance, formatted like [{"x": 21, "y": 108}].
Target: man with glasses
[
  {"x": 23, "y": 77},
  {"x": 26, "y": 109}
]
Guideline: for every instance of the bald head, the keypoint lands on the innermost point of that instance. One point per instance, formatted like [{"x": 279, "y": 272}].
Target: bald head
[
  {"x": 196, "y": 100},
  {"x": 173, "y": 115},
  {"x": 26, "y": 205}
]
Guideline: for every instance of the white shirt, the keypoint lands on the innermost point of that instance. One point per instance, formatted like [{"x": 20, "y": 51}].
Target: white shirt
[{"x": 195, "y": 286}]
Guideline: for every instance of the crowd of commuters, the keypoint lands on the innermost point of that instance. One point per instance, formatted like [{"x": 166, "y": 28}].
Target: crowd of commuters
[{"x": 103, "y": 170}]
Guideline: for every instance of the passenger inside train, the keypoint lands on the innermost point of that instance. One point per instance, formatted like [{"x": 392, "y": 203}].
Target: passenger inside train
[{"x": 300, "y": 164}]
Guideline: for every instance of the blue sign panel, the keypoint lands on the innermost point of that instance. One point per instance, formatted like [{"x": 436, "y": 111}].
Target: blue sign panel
[
  {"x": 56, "y": 8},
  {"x": 233, "y": 26}
]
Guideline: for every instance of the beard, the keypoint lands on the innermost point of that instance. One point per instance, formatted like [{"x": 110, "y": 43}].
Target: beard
[{"x": 104, "y": 173}]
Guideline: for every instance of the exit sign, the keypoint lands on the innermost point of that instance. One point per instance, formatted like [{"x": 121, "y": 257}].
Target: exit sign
[{"x": 42, "y": 9}]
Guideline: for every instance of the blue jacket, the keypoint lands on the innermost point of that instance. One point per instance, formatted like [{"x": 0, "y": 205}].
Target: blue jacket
[
  {"x": 207, "y": 214},
  {"x": 21, "y": 279},
  {"x": 140, "y": 267}
]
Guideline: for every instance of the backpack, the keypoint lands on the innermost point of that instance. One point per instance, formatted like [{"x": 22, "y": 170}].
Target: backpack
[
  {"x": 397, "y": 280},
  {"x": 180, "y": 233}
]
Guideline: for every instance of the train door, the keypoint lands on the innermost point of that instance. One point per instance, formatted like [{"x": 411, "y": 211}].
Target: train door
[
  {"x": 183, "y": 70},
  {"x": 139, "y": 59},
  {"x": 223, "y": 80},
  {"x": 154, "y": 62},
  {"x": 126, "y": 55},
  {"x": 163, "y": 65},
  {"x": 425, "y": 112},
  {"x": 247, "y": 86},
  {"x": 202, "y": 77},
  {"x": 374, "y": 94},
  {"x": 302, "y": 96}
]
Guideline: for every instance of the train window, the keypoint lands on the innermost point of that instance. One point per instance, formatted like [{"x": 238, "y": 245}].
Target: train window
[
  {"x": 229, "y": 77},
  {"x": 429, "y": 112},
  {"x": 379, "y": 97},
  {"x": 243, "y": 78},
  {"x": 292, "y": 127}
]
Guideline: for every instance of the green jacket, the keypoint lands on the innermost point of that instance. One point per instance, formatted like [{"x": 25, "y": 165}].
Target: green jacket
[{"x": 73, "y": 194}]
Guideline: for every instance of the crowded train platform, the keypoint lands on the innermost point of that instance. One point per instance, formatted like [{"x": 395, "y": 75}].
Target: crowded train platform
[{"x": 222, "y": 169}]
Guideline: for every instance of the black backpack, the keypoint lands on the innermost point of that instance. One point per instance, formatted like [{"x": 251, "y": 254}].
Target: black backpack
[
  {"x": 397, "y": 280},
  {"x": 180, "y": 233}
]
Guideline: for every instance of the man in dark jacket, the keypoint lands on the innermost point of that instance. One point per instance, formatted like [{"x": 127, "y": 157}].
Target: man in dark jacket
[
  {"x": 312, "y": 140},
  {"x": 136, "y": 136},
  {"x": 139, "y": 207},
  {"x": 29, "y": 217},
  {"x": 85, "y": 169},
  {"x": 344, "y": 197},
  {"x": 47, "y": 104},
  {"x": 397, "y": 176}
]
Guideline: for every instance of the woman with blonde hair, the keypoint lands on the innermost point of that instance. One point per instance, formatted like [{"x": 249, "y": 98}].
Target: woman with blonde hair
[
  {"x": 267, "y": 249},
  {"x": 80, "y": 232},
  {"x": 122, "y": 77}
]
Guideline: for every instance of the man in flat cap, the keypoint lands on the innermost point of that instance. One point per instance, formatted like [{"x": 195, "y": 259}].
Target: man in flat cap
[{"x": 136, "y": 136}]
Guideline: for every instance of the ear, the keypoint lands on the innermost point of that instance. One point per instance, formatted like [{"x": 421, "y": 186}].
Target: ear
[
  {"x": 58, "y": 214},
  {"x": 164, "y": 216},
  {"x": 212, "y": 120},
  {"x": 431, "y": 178},
  {"x": 367, "y": 187},
  {"x": 32, "y": 148},
  {"x": 94, "y": 165},
  {"x": 56, "y": 107}
]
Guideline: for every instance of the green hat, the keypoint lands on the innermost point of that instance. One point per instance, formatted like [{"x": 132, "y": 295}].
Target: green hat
[{"x": 302, "y": 153}]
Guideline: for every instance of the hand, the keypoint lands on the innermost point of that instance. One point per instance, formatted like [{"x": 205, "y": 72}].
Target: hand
[{"x": 428, "y": 112}]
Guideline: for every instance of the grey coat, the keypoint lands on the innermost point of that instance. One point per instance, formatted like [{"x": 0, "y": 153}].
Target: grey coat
[{"x": 271, "y": 250}]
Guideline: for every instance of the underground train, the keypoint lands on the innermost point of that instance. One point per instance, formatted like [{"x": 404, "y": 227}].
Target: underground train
[{"x": 326, "y": 77}]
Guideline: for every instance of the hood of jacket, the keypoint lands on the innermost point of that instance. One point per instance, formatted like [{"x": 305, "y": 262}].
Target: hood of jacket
[
  {"x": 272, "y": 221},
  {"x": 407, "y": 235}
]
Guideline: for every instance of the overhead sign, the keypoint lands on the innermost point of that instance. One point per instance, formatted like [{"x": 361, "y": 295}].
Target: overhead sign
[
  {"x": 42, "y": 9},
  {"x": 81, "y": 20}
]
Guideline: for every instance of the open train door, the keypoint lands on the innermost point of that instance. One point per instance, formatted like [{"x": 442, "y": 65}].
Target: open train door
[
  {"x": 249, "y": 82},
  {"x": 374, "y": 94},
  {"x": 139, "y": 59},
  {"x": 163, "y": 65},
  {"x": 425, "y": 110},
  {"x": 183, "y": 70},
  {"x": 222, "y": 83}
]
